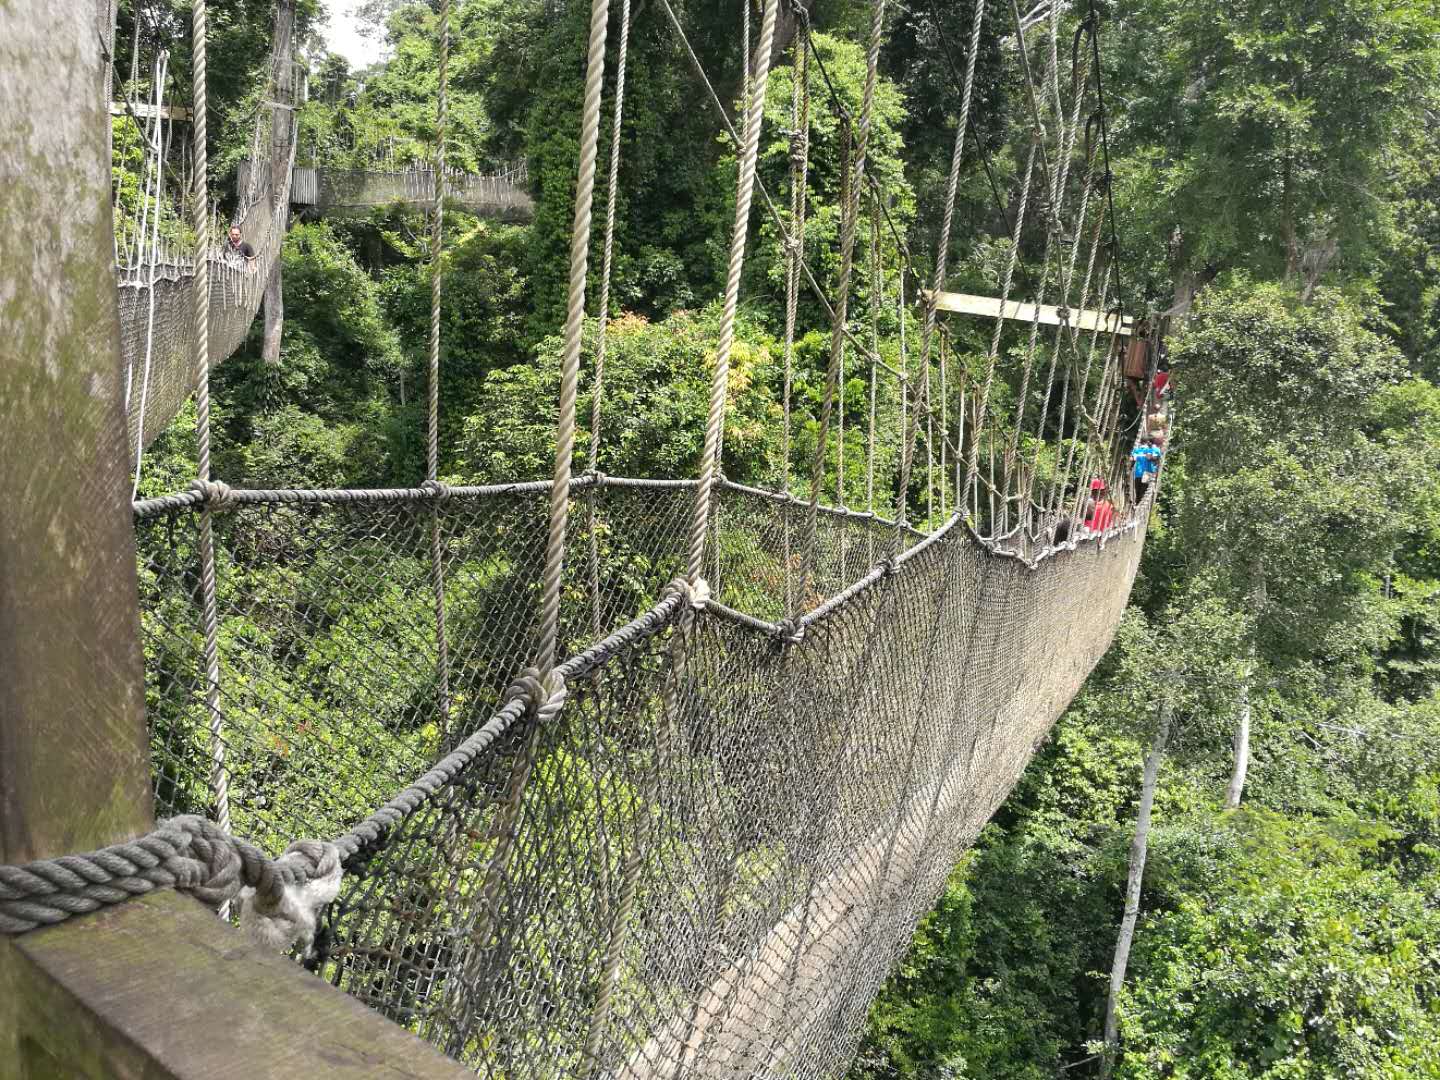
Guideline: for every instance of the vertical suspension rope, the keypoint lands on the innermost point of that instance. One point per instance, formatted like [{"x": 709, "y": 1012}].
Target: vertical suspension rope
[
  {"x": 972, "y": 476},
  {"x": 503, "y": 828},
  {"x": 942, "y": 254},
  {"x": 876, "y": 285},
  {"x": 720, "y": 381},
  {"x": 609, "y": 256},
  {"x": 162, "y": 67},
  {"x": 219, "y": 777},
  {"x": 795, "y": 256},
  {"x": 574, "y": 326},
  {"x": 603, "y": 315},
  {"x": 848, "y": 213},
  {"x": 432, "y": 446}
]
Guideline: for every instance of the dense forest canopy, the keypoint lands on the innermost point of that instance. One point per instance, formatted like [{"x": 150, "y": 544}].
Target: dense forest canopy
[{"x": 1276, "y": 186}]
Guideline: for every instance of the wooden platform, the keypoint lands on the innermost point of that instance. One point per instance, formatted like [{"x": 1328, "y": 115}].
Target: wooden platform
[{"x": 1024, "y": 311}]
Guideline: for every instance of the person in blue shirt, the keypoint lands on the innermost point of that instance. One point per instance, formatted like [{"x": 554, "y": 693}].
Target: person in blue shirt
[{"x": 1146, "y": 457}]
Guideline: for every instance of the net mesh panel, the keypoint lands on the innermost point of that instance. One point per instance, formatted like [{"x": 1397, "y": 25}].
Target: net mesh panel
[
  {"x": 503, "y": 195},
  {"x": 708, "y": 861},
  {"x": 237, "y": 286}
]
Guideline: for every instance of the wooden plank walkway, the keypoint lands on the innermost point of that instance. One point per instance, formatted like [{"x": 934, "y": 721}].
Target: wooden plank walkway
[{"x": 1024, "y": 311}]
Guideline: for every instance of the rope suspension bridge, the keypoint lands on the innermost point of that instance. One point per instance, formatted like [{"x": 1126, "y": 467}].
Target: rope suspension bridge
[{"x": 638, "y": 777}]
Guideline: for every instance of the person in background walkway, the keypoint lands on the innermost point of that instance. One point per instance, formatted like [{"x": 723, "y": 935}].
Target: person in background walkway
[
  {"x": 1146, "y": 457},
  {"x": 237, "y": 248},
  {"x": 1102, "y": 512}
]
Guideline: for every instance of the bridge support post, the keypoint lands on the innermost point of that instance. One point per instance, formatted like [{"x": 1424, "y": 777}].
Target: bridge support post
[{"x": 157, "y": 987}]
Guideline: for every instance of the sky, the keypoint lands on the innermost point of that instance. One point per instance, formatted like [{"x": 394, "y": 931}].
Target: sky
[{"x": 342, "y": 35}]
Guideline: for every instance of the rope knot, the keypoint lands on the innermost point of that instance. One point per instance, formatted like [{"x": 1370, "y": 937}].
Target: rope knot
[
  {"x": 437, "y": 489},
  {"x": 284, "y": 907},
  {"x": 889, "y": 567},
  {"x": 525, "y": 687},
  {"x": 792, "y": 631},
  {"x": 698, "y": 593},
  {"x": 216, "y": 493}
]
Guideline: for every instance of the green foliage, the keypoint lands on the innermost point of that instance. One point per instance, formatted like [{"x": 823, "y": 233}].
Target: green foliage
[
  {"x": 657, "y": 389},
  {"x": 1301, "y": 958}
]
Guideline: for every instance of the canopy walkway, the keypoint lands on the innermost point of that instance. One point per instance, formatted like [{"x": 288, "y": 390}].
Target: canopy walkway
[
  {"x": 598, "y": 776},
  {"x": 502, "y": 195},
  {"x": 158, "y": 283}
]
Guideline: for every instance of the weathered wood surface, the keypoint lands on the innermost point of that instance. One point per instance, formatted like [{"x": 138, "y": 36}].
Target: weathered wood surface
[
  {"x": 1024, "y": 311},
  {"x": 159, "y": 987},
  {"x": 74, "y": 767}
]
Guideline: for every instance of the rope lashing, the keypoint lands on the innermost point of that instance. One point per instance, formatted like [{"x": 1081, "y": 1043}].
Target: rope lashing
[{"x": 191, "y": 855}]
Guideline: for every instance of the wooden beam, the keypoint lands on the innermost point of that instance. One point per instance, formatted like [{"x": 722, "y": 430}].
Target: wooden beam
[
  {"x": 145, "y": 111},
  {"x": 160, "y": 988},
  {"x": 74, "y": 756},
  {"x": 1024, "y": 311},
  {"x": 156, "y": 987}
]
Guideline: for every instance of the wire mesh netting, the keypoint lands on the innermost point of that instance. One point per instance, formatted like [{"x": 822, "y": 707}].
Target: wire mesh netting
[{"x": 706, "y": 863}]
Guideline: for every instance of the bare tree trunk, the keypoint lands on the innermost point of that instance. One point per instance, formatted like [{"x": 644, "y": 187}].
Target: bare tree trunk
[
  {"x": 1138, "y": 849},
  {"x": 274, "y": 315},
  {"x": 1236, "y": 788},
  {"x": 281, "y": 127}
]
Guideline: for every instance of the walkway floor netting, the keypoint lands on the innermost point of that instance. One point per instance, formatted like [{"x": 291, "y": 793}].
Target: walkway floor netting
[{"x": 708, "y": 860}]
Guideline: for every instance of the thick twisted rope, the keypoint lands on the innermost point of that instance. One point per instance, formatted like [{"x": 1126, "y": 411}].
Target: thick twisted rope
[
  {"x": 210, "y": 616},
  {"x": 603, "y": 316},
  {"x": 189, "y": 854},
  {"x": 574, "y": 326},
  {"x": 611, "y": 195},
  {"x": 720, "y": 380},
  {"x": 795, "y": 258},
  {"x": 849, "y": 211},
  {"x": 432, "y": 446}
]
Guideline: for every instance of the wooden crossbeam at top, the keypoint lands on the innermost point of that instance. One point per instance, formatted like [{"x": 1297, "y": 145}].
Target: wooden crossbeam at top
[
  {"x": 145, "y": 110},
  {"x": 1024, "y": 311}
]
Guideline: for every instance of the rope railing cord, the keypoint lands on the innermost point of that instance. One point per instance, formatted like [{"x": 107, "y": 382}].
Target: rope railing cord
[
  {"x": 849, "y": 211},
  {"x": 720, "y": 378},
  {"x": 993, "y": 353},
  {"x": 432, "y": 431}
]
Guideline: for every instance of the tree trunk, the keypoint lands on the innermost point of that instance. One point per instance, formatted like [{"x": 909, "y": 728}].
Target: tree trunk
[
  {"x": 1138, "y": 849},
  {"x": 274, "y": 314},
  {"x": 281, "y": 130},
  {"x": 1236, "y": 788}
]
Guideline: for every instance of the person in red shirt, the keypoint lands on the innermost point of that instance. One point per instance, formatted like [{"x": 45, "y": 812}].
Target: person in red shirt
[{"x": 1102, "y": 516}]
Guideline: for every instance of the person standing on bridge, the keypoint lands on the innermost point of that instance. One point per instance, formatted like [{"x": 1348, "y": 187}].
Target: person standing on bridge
[
  {"x": 1102, "y": 512},
  {"x": 1146, "y": 457},
  {"x": 237, "y": 248}
]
